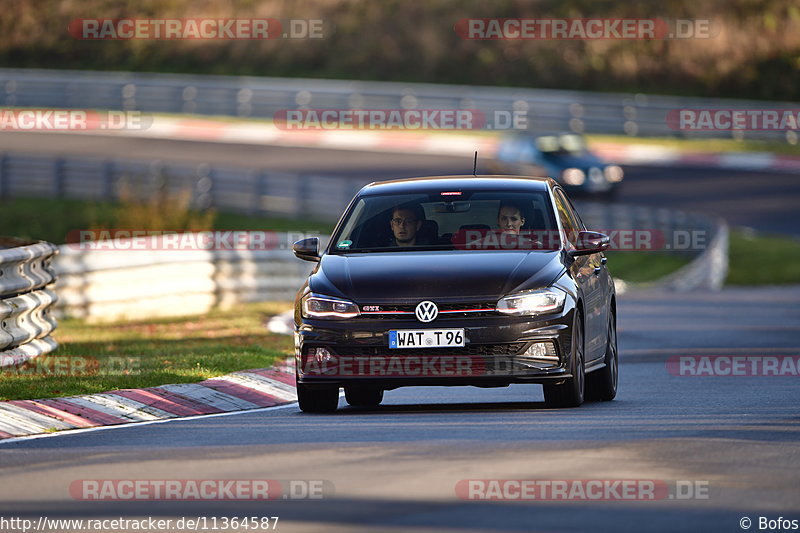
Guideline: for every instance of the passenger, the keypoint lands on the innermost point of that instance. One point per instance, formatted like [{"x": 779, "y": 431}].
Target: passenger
[
  {"x": 509, "y": 218},
  {"x": 405, "y": 222}
]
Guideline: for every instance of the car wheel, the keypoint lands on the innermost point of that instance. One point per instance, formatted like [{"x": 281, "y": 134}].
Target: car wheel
[
  {"x": 317, "y": 399},
  {"x": 363, "y": 396},
  {"x": 602, "y": 384},
  {"x": 570, "y": 393}
]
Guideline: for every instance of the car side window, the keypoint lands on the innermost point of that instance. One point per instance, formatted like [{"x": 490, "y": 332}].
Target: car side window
[
  {"x": 574, "y": 213},
  {"x": 567, "y": 216}
]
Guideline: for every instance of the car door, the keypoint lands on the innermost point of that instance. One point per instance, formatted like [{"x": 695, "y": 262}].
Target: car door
[{"x": 588, "y": 271}]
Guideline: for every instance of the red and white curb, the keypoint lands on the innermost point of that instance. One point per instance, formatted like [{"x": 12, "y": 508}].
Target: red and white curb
[
  {"x": 458, "y": 144},
  {"x": 239, "y": 391}
]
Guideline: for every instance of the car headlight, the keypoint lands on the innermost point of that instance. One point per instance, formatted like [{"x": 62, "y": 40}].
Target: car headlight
[
  {"x": 614, "y": 173},
  {"x": 536, "y": 302},
  {"x": 316, "y": 306},
  {"x": 573, "y": 176}
]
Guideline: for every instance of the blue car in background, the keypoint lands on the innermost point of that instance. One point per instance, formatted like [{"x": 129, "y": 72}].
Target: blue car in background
[{"x": 563, "y": 157}]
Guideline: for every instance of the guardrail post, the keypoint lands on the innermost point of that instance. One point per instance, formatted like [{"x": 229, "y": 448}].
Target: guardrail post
[
  {"x": 3, "y": 176},
  {"x": 108, "y": 180},
  {"x": 303, "y": 190},
  {"x": 258, "y": 186},
  {"x": 204, "y": 187},
  {"x": 58, "y": 178}
]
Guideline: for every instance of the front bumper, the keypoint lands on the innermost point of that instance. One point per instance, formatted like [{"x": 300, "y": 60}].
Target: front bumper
[{"x": 498, "y": 352}]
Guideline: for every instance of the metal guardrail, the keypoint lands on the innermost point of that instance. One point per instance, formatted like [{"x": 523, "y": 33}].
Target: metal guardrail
[
  {"x": 244, "y": 190},
  {"x": 708, "y": 267},
  {"x": 115, "y": 283},
  {"x": 252, "y": 97},
  {"x": 26, "y": 298}
]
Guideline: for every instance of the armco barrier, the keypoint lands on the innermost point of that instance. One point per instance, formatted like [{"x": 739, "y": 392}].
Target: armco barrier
[
  {"x": 708, "y": 270},
  {"x": 117, "y": 283},
  {"x": 26, "y": 298},
  {"x": 707, "y": 243},
  {"x": 240, "y": 189}
]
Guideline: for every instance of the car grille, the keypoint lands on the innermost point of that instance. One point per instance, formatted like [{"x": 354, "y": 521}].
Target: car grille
[
  {"x": 470, "y": 349},
  {"x": 453, "y": 310}
]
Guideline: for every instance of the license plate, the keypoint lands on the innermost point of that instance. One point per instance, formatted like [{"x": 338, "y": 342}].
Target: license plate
[{"x": 426, "y": 338}]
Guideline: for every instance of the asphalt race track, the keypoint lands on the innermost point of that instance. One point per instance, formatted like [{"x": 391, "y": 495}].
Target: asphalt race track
[
  {"x": 726, "y": 447},
  {"x": 766, "y": 201}
]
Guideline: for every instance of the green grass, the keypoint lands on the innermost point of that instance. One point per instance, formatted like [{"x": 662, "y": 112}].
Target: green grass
[
  {"x": 52, "y": 219},
  {"x": 96, "y": 358},
  {"x": 642, "y": 267},
  {"x": 702, "y": 145},
  {"x": 757, "y": 259},
  {"x": 754, "y": 259}
]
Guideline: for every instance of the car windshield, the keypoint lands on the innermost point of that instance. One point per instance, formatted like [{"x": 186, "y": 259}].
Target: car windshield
[
  {"x": 448, "y": 220},
  {"x": 561, "y": 144}
]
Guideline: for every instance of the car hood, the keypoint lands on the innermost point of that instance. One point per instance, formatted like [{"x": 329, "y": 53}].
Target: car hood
[
  {"x": 398, "y": 276},
  {"x": 582, "y": 161}
]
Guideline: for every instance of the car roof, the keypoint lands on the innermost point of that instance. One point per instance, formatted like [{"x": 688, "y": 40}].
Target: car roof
[{"x": 467, "y": 182}]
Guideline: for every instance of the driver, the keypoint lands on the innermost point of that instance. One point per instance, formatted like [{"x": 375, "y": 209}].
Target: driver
[{"x": 405, "y": 222}]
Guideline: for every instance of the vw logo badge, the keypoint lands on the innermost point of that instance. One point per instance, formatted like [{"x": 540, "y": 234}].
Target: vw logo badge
[{"x": 426, "y": 311}]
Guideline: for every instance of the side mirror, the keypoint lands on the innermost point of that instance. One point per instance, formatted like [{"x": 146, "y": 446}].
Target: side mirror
[
  {"x": 307, "y": 249},
  {"x": 590, "y": 242}
]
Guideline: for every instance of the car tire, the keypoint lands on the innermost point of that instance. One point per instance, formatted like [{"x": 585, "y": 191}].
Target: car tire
[
  {"x": 317, "y": 399},
  {"x": 571, "y": 392},
  {"x": 602, "y": 384},
  {"x": 363, "y": 396}
]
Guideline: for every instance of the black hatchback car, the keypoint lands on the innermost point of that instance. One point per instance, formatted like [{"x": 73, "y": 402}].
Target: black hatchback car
[{"x": 458, "y": 280}]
